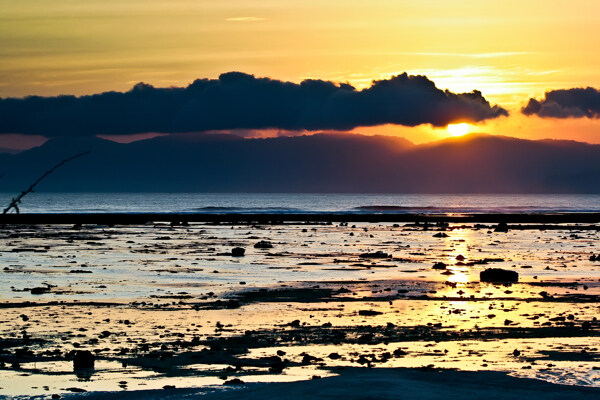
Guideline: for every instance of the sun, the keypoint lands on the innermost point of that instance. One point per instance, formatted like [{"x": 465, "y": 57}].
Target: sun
[{"x": 458, "y": 129}]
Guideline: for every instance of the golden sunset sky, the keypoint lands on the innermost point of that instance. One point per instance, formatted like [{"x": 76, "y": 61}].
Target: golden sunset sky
[{"x": 510, "y": 50}]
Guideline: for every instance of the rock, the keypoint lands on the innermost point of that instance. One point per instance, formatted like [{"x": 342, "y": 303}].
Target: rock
[
  {"x": 399, "y": 353},
  {"x": 439, "y": 265},
  {"x": 501, "y": 227},
  {"x": 460, "y": 257},
  {"x": 263, "y": 244},
  {"x": 516, "y": 353},
  {"x": 75, "y": 390},
  {"x": 497, "y": 275},
  {"x": 276, "y": 364},
  {"x": 377, "y": 254},
  {"x": 369, "y": 313},
  {"x": 83, "y": 359},
  {"x": 307, "y": 359},
  {"x": 39, "y": 290},
  {"x": 273, "y": 359},
  {"x": 440, "y": 235},
  {"x": 238, "y": 251},
  {"x": 169, "y": 387},
  {"x": 234, "y": 381},
  {"x": 586, "y": 326}
]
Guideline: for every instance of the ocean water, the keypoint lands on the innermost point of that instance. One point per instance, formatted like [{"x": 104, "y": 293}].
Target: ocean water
[{"x": 216, "y": 203}]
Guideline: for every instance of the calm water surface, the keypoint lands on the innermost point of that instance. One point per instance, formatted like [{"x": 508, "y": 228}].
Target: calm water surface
[{"x": 304, "y": 203}]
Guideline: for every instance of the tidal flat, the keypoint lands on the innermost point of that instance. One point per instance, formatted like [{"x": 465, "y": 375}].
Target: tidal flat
[{"x": 163, "y": 306}]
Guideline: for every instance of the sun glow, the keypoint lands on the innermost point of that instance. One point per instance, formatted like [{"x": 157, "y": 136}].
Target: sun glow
[{"x": 458, "y": 129}]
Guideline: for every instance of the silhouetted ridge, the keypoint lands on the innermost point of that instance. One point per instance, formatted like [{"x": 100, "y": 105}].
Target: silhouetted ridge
[{"x": 320, "y": 163}]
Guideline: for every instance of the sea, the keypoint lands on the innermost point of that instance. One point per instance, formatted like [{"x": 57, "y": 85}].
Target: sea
[{"x": 219, "y": 203}]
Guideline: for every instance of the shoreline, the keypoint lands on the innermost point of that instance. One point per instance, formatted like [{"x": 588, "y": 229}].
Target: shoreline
[{"x": 280, "y": 218}]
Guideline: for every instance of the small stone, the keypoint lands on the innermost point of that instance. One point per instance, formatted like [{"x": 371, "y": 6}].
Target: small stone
[
  {"x": 377, "y": 254},
  {"x": 263, "y": 244}
]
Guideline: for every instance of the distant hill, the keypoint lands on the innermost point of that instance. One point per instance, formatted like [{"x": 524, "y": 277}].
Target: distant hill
[
  {"x": 9, "y": 151},
  {"x": 317, "y": 163}
]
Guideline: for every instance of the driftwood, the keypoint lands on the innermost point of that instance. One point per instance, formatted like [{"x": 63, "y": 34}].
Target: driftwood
[{"x": 14, "y": 203}]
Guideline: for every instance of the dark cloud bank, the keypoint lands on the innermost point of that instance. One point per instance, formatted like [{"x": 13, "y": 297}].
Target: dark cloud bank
[
  {"x": 566, "y": 103},
  {"x": 241, "y": 101}
]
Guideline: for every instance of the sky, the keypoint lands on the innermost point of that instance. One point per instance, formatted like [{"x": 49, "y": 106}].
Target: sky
[{"x": 510, "y": 51}]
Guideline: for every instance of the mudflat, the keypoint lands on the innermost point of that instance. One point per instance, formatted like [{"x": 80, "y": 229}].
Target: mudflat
[{"x": 168, "y": 306}]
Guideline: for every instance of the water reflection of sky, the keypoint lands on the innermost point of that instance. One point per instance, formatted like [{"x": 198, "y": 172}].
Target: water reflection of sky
[{"x": 161, "y": 265}]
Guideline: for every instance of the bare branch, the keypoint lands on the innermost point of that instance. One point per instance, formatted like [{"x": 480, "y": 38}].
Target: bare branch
[{"x": 14, "y": 204}]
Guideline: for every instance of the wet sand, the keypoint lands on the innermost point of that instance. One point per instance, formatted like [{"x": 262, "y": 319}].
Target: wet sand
[
  {"x": 380, "y": 383},
  {"x": 166, "y": 304}
]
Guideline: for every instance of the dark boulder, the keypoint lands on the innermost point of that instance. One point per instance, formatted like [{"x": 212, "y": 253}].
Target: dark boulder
[
  {"x": 83, "y": 359},
  {"x": 238, "y": 252},
  {"x": 497, "y": 275},
  {"x": 439, "y": 265},
  {"x": 501, "y": 227}
]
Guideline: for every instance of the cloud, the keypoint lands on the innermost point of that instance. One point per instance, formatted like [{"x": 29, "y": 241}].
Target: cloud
[
  {"x": 240, "y": 101},
  {"x": 470, "y": 55},
  {"x": 245, "y": 19},
  {"x": 566, "y": 103}
]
